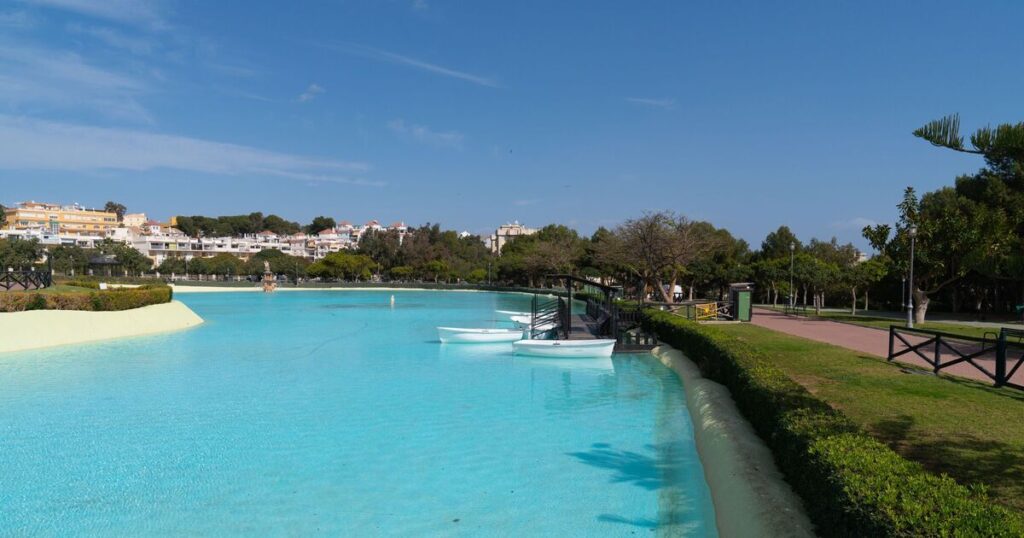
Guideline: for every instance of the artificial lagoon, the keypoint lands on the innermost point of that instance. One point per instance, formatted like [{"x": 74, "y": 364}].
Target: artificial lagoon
[{"x": 336, "y": 413}]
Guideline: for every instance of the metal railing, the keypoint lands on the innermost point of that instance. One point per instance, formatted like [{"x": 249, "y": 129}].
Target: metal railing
[
  {"x": 550, "y": 315},
  {"x": 794, "y": 309},
  {"x": 25, "y": 280},
  {"x": 699, "y": 309},
  {"x": 622, "y": 324},
  {"x": 1004, "y": 353}
]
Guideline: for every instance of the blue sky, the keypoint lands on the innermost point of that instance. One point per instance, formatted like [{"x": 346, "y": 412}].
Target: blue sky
[{"x": 746, "y": 114}]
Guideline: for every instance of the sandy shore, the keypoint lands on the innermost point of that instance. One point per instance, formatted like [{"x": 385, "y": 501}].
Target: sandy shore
[
  {"x": 750, "y": 495},
  {"x": 46, "y": 328}
]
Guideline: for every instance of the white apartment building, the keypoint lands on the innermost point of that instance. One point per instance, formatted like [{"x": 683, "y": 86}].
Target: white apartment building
[
  {"x": 134, "y": 220},
  {"x": 160, "y": 241},
  {"x": 507, "y": 232}
]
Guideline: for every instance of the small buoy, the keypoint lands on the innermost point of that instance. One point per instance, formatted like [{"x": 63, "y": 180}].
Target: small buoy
[{"x": 392, "y": 301}]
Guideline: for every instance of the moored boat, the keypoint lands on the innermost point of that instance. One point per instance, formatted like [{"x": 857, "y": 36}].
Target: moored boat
[
  {"x": 510, "y": 313},
  {"x": 565, "y": 348},
  {"x": 456, "y": 335},
  {"x": 523, "y": 320}
]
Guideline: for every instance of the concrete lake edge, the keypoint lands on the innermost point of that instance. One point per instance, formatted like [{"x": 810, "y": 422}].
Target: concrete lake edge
[{"x": 750, "y": 495}]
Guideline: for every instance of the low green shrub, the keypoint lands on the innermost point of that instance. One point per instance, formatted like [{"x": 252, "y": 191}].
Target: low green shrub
[
  {"x": 852, "y": 484},
  {"x": 105, "y": 300}
]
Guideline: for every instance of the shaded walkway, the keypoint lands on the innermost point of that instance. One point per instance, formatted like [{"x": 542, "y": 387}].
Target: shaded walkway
[{"x": 871, "y": 341}]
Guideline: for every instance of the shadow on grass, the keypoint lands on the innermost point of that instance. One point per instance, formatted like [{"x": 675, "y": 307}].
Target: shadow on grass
[
  {"x": 966, "y": 458},
  {"x": 916, "y": 369}
]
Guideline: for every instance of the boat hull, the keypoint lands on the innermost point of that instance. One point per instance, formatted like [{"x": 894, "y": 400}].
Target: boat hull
[
  {"x": 510, "y": 313},
  {"x": 522, "y": 320},
  {"x": 565, "y": 348},
  {"x": 453, "y": 335}
]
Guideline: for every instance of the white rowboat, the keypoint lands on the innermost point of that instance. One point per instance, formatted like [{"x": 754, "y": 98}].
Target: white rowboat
[
  {"x": 511, "y": 313},
  {"x": 523, "y": 320},
  {"x": 565, "y": 348},
  {"x": 454, "y": 335}
]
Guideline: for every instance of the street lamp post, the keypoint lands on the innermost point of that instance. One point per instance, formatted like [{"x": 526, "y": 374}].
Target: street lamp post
[
  {"x": 792, "y": 249},
  {"x": 903, "y": 290},
  {"x": 910, "y": 288}
]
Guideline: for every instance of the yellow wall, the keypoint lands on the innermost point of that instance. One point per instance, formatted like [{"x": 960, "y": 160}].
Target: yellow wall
[{"x": 68, "y": 220}]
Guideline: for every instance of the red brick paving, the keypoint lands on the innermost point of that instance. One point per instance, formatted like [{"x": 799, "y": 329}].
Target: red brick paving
[{"x": 874, "y": 342}]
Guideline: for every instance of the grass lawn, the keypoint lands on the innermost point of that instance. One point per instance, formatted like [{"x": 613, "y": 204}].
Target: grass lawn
[
  {"x": 884, "y": 323},
  {"x": 973, "y": 432},
  {"x": 59, "y": 288}
]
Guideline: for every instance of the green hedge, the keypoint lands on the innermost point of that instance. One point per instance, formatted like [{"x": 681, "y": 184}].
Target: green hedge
[
  {"x": 107, "y": 300},
  {"x": 852, "y": 484}
]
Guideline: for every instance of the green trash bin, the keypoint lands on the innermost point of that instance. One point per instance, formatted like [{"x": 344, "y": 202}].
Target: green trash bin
[{"x": 742, "y": 296}]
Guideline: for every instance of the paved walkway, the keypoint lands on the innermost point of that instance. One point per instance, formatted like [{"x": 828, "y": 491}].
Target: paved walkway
[{"x": 872, "y": 342}]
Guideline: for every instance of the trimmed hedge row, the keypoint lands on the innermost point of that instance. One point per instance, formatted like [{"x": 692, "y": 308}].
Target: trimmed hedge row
[
  {"x": 97, "y": 301},
  {"x": 852, "y": 484}
]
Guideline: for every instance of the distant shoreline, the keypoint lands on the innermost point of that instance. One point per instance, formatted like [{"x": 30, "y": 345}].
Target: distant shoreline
[
  {"x": 245, "y": 287},
  {"x": 258, "y": 288}
]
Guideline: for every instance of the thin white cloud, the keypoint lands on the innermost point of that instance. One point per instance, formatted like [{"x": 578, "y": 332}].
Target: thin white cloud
[
  {"x": 664, "y": 103},
  {"x": 420, "y": 5},
  {"x": 854, "y": 224},
  {"x": 148, "y": 13},
  {"x": 65, "y": 81},
  {"x": 31, "y": 144},
  {"x": 422, "y": 133},
  {"x": 311, "y": 92},
  {"x": 16, "y": 19},
  {"x": 391, "y": 57},
  {"x": 113, "y": 38},
  {"x": 234, "y": 70}
]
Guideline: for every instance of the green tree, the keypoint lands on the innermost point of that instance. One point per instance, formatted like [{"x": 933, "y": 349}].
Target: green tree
[
  {"x": 772, "y": 276},
  {"x": 69, "y": 259},
  {"x": 401, "y": 272},
  {"x": 385, "y": 247},
  {"x": 657, "y": 248},
  {"x": 19, "y": 254},
  {"x": 343, "y": 265},
  {"x": 280, "y": 264},
  {"x": 172, "y": 265},
  {"x": 224, "y": 264},
  {"x": 865, "y": 275},
  {"x": 949, "y": 241},
  {"x": 131, "y": 260},
  {"x": 114, "y": 207},
  {"x": 280, "y": 226},
  {"x": 319, "y": 224},
  {"x": 776, "y": 244},
  {"x": 434, "y": 270}
]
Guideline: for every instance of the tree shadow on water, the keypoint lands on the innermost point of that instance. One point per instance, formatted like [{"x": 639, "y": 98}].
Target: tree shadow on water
[
  {"x": 636, "y": 522},
  {"x": 639, "y": 469}
]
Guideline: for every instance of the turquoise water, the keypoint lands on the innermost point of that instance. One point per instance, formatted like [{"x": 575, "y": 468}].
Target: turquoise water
[{"x": 331, "y": 413}]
